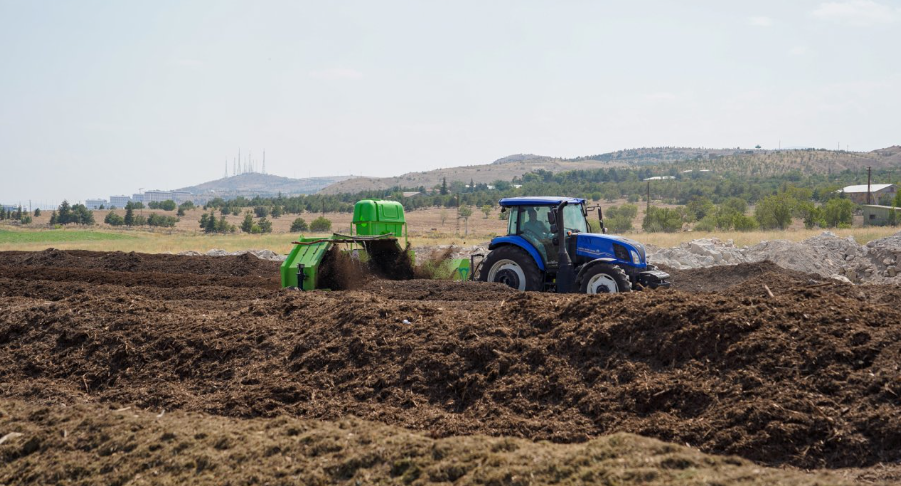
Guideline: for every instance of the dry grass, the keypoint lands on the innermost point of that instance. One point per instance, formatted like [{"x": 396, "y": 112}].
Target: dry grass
[{"x": 427, "y": 227}]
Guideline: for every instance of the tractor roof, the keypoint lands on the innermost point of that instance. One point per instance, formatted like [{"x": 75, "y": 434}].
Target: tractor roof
[{"x": 539, "y": 201}]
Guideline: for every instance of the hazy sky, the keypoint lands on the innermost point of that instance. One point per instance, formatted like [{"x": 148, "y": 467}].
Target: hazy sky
[{"x": 106, "y": 97}]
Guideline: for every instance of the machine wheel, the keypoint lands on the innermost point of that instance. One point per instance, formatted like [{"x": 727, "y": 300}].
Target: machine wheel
[
  {"x": 511, "y": 266},
  {"x": 604, "y": 279}
]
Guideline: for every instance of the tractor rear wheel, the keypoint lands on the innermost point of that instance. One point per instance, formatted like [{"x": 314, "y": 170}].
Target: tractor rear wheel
[
  {"x": 604, "y": 279},
  {"x": 511, "y": 266}
]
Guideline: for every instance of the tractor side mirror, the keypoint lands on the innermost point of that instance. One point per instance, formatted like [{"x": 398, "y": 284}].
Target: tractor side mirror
[{"x": 552, "y": 219}]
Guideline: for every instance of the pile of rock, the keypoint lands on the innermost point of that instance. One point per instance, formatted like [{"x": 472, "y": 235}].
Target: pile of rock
[
  {"x": 826, "y": 254},
  {"x": 704, "y": 252}
]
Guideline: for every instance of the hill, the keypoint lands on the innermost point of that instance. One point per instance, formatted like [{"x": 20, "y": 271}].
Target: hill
[
  {"x": 749, "y": 162},
  {"x": 504, "y": 169},
  {"x": 253, "y": 184},
  {"x": 764, "y": 163}
]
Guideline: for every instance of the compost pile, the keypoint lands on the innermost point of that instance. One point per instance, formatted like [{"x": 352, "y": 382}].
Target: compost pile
[{"x": 809, "y": 377}]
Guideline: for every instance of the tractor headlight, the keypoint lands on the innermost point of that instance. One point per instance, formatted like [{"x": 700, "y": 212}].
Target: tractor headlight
[{"x": 635, "y": 258}]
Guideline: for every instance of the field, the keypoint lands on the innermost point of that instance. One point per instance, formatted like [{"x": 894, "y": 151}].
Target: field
[
  {"x": 425, "y": 229},
  {"x": 129, "y": 368}
]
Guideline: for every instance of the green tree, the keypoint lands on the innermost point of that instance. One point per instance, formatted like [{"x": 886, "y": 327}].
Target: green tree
[
  {"x": 168, "y": 205},
  {"x": 486, "y": 209},
  {"x": 465, "y": 212},
  {"x": 838, "y": 212},
  {"x": 64, "y": 216},
  {"x": 299, "y": 225},
  {"x": 247, "y": 224},
  {"x": 210, "y": 226},
  {"x": 129, "y": 215},
  {"x": 261, "y": 211},
  {"x": 618, "y": 219},
  {"x": 321, "y": 225},
  {"x": 54, "y": 218},
  {"x": 265, "y": 225},
  {"x": 736, "y": 204},
  {"x": 774, "y": 212},
  {"x": 810, "y": 214},
  {"x": 113, "y": 219},
  {"x": 161, "y": 220},
  {"x": 443, "y": 186},
  {"x": 277, "y": 211},
  {"x": 37, "y": 212},
  {"x": 699, "y": 207},
  {"x": 666, "y": 220}
]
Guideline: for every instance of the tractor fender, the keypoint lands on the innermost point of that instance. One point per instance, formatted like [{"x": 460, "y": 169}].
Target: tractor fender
[
  {"x": 520, "y": 242},
  {"x": 596, "y": 261}
]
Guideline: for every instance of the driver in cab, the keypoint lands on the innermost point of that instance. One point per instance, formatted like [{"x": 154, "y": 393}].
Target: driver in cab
[{"x": 535, "y": 227}]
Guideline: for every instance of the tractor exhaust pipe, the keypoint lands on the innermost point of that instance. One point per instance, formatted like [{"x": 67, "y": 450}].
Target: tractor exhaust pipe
[{"x": 566, "y": 275}]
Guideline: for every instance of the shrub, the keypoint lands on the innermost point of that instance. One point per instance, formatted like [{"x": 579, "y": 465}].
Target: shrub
[
  {"x": 299, "y": 225},
  {"x": 247, "y": 224},
  {"x": 775, "y": 211},
  {"x": 261, "y": 211},
  {"x": 114, "y": 219},
  {"x": 838, "y": 212},
  {"x": 161, "y": 220},
  {"x": 265, "y": 225},
  {"x": 321, "y": 225},
  {"x": 663, "y": 220}
]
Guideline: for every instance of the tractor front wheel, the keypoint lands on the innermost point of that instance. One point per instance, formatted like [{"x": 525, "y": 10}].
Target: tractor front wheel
[
  {"x": 511, "y": 266},
  {"x": 604, "y": 279}
]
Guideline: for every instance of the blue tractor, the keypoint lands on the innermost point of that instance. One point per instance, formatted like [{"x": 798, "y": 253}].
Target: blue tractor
[{"x": 548, "y": 247}]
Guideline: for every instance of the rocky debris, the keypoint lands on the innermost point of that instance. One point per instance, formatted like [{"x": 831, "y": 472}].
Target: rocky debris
[
  {"x": 826, "y": 255},
  {"x": 703, "y": 252}
]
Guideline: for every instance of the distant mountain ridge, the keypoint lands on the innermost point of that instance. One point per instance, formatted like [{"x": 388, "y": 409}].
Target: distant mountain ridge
[
  {"x": 256, "y": 184},
  {"x": 751, "y": 162}
]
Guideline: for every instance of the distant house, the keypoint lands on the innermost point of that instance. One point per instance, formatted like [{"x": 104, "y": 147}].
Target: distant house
[
  {"x": 411, "y": 193},
  {"x": 876, "y": 215},
  {"x": 858, "y": 193}
]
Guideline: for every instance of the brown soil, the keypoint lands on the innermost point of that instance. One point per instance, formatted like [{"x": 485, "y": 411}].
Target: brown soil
[{"x": 809, "y": 377}]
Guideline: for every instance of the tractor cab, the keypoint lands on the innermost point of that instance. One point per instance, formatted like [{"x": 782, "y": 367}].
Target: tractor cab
[
  {"x": 549, "y": 246},
  {"x": 529, "y": 219}
]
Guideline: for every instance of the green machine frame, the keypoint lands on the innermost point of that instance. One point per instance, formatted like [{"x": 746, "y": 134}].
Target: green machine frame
[{"x": 373, "y": 220}]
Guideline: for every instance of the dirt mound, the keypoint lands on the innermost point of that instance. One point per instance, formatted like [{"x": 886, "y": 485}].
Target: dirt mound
[
  {"x": 719, "y": 278},
  {"x": 96, "y": 445},
  {"x": 809, "y": 377},
  {"x": 236, "y": 266},
  {"x": 463, "y": 292}
]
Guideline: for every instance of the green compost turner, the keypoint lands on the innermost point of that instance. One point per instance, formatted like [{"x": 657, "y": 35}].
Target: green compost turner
[{"x": 375, "y": 230}]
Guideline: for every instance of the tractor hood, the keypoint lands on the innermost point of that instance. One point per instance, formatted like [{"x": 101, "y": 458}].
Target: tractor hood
[{"x": 594, "y": 245}]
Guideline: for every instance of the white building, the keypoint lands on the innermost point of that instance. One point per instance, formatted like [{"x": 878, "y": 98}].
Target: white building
[
  {"x": 181, "y": 196},
  {"x": 138, "y": 198},
  {"x": 96, "y": 203},
  {"x": 119, "y": 201},
  {"x": 157, "y": 196},
  {"x": 858, "y": 193}
]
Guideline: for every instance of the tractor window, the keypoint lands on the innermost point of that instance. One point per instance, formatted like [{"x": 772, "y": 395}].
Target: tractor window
[
  {"x": 534, "y": 221},
  {"x": 513, "y": 221},
  {"x": 574, "y": 219}
]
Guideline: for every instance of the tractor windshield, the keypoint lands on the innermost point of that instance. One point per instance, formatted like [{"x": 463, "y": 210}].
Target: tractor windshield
[{"x": 573, "y": 219}]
